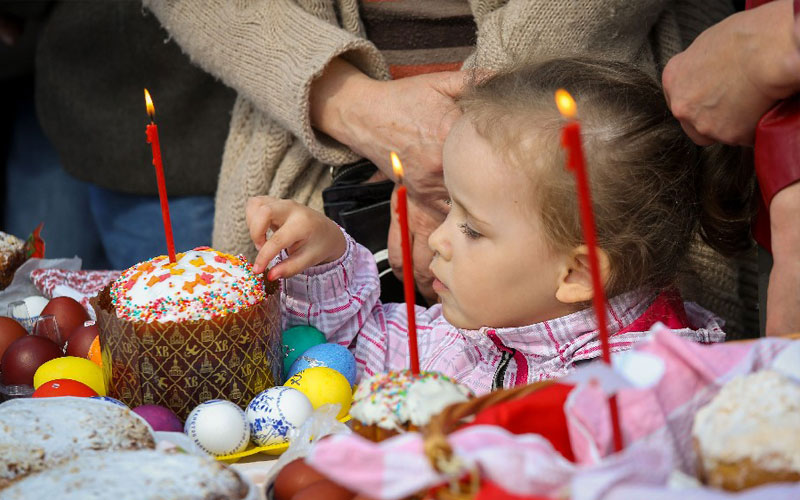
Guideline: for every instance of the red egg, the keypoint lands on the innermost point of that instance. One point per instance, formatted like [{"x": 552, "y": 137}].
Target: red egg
[
  {"x": 69, "y": 314},
  {"x": 24, "y": 356},
  {"x": 81, "y": 340},
  {"x": 326, "y": 489},
  {"x": 10, "y": 331},
  {"x": 295, "y": 476},
  {"x": 63, "y": 387}
]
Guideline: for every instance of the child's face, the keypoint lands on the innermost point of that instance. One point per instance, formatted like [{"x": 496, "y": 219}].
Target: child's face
[{"x": 492, "y": 264}]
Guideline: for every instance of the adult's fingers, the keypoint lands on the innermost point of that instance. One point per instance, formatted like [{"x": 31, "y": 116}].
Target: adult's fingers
[{"x": 695, "y": 136}]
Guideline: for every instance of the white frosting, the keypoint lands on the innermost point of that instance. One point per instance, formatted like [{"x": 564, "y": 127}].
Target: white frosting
[
  {"x": 201, "y": 284},
  {"x": 392, "y": 399},
  {"x": 755, "y": 416}
]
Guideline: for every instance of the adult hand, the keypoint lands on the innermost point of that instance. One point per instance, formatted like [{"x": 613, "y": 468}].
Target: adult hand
[
  {"x": 421, "y": 223},
  {"x": 733, "y": 73},
  {"x": 783, "y": 293}
]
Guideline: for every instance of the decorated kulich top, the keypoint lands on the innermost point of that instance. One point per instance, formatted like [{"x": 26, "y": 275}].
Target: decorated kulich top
[
  {"x": 754, "y": 417},
  {"x": 201, "y": 284},
  {"x": 10, "y": 244},
  {"x": 390, "y": 400}
]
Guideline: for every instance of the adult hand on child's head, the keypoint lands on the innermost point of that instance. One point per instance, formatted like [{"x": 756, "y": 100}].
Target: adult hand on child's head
[
  {"x": 309, "y": 237},
  {"x": 783, "y": 294},
  {"x": 421, "y": 223},
  {"x": 733, "y": 73},
  {"x": 411, "y": 116}
]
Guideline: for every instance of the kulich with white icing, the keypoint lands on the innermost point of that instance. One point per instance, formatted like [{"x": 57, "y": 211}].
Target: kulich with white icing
[
  {"x": 390, "y": 400},
  {"x": 202, "y": 284},
  {"x": 754, "y": 417}
]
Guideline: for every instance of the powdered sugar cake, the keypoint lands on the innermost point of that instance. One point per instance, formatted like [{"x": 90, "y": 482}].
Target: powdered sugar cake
[{"x": 36, "y": 434}]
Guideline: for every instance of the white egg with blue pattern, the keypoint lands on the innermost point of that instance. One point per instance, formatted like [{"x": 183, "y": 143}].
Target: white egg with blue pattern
[
  {"x": 274, "y": 413},
  {"x": 218, "y": 427}
]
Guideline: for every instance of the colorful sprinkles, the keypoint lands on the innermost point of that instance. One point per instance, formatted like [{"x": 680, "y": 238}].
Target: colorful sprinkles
[
  {"x": 383, "y": 398},
  {"x": 189, "y": 289}
]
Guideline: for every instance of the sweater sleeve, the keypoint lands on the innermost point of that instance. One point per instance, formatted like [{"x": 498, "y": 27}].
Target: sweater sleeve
[
  {"x": 341, "y": 299},
  {"x": 524, "y": 30},
  {"x": 270, "y": 52}
]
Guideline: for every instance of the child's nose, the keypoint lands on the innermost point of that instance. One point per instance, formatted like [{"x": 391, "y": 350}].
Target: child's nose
[{"x": 437, "y": 242}]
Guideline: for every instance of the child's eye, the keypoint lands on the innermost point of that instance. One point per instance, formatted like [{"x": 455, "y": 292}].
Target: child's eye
[{"x": 471, "y": 233}]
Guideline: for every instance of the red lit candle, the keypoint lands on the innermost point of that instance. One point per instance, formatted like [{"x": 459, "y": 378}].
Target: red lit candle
[
  {"x": 152, "y": 138},
  {"x": 408, "y": 265},
  {"x": 571, "y": 142}
]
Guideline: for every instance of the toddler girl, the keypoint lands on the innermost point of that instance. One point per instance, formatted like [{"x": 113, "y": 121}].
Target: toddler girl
[{"x": 511, "y": 268}]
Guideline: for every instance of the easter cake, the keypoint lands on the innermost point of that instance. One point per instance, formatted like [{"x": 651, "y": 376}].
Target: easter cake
[
  {"x": 180, "y": 333},
  {"x": 387, "y": 404},
  {"x": 135, "y": 474},
  {"x": 12, "y": 255},
  {"x": 749, "y": 434},
  {"x": 36, "y": 434}
]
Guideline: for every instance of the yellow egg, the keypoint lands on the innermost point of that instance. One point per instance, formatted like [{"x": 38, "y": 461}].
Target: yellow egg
[
  {"x": 74, "y": 368},
  {"x": 323, "y": 385}
]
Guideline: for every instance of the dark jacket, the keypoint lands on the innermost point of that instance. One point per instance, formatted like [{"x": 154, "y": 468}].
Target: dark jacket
[{"x": 93, "y": 61}]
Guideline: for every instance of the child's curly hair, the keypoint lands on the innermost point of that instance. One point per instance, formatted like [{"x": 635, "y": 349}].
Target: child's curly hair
[{"x": 652, "y": 188}]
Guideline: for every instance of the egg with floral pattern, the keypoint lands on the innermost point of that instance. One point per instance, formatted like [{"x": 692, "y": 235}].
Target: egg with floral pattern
[{"x": 274, "y": 413}]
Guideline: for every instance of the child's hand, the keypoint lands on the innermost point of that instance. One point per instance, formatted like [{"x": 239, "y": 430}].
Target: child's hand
[{"x": 309, "y": 237}]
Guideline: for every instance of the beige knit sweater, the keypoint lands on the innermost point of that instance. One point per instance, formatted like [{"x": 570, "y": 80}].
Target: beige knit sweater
[{"x": 270, "y": 51}]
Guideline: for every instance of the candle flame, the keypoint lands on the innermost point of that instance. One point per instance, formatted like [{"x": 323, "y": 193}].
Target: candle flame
[
  {"x": 397, "y": 167},
  {"x": 151, "y": 110},
  {"x": 566, "y": 104}
]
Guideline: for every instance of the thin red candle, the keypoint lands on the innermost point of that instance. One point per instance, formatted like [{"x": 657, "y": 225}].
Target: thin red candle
[
  {"x": 152, "y": 138},
  {"x": 571, "y": 142},
  {"x": 408, "y": 265}
]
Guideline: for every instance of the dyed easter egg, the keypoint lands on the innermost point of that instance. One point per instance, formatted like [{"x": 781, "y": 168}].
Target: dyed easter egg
[
  {"x": 10, "y": 331},
  {"x": 109, "y": 399},
  {"x": 323, "y": 385},
  {"x": 63, "y": 387},
  {"x": 296, "y": 340},
  {"x": 24, "y": 356},
  {"x": 74, "y": 368},
  {"x": 331, "y": 355},
  {"x": 69, "y": 314},
  {"x": 273, "y": 413},
  {"x": 218, "y": 427},
  {"x": 159, "y": 418},
  {"x": 81, "y": 339}
]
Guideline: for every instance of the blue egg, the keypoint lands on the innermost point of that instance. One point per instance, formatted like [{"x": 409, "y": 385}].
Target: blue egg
[
  {"x": 333, "y": 356},
  {"x": 109, "y": 399}
]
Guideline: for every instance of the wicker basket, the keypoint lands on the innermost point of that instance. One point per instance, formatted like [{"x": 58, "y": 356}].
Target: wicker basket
[{"x": 439, "y": 451}]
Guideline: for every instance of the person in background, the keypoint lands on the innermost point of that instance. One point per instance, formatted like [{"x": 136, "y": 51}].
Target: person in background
[
  {"x": 92, "y": 62},
  {"x": 719, "y": 88}
]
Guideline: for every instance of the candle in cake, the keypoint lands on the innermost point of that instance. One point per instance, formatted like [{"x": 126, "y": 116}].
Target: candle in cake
[
  {"x": 152, "y": 138},
  {"x": 408, "y": 265},
  {"x": 571, "y": 142}
]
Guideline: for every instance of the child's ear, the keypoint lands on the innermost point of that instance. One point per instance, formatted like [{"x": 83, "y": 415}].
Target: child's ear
[{"x": 575, "y": 280}]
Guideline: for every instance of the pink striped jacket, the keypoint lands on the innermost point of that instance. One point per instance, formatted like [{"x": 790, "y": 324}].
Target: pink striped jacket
[{"x": 341, "y": 300}]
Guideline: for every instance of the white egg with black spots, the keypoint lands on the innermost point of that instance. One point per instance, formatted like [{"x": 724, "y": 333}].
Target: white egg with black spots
[
  {"x": 218, "y": 427},
  {"x": 274, "y": 413}
]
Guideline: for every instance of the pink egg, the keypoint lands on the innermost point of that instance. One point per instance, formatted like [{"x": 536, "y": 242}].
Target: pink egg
[{"x": 159, "y": 418}]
